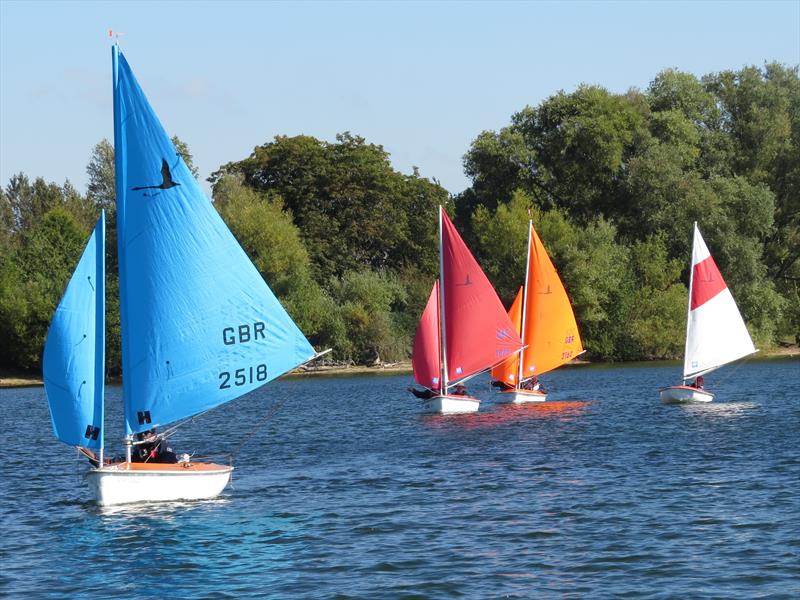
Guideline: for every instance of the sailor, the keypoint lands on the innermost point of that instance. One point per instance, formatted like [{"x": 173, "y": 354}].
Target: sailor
[
  {"x": 423, "y": 394},
  {"x": 151, "y": 447}
]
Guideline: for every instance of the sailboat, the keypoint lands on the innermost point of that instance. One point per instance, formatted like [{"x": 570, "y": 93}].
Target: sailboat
[
  {"x": 543, "y": 316},
  {"x": 200, "y": 327},
  {"x": 464, "y": 329},
  {"x": 715, "y": 331}
]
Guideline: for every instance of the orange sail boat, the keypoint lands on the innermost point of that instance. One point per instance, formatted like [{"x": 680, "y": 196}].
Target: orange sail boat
[
  {"x": 543, "y": 317},
  {"x": 464, "y": 329}
]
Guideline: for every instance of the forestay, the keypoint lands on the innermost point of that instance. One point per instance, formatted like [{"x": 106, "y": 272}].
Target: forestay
[{"x": 199, "y": 325}]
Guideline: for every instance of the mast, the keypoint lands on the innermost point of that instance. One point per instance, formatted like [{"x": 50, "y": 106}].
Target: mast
[
  {"x": 524, "y": 304},
  {"x": 100, "y": 330},
  {"x": 119, "y": 192},
  {"x": 689, "y": 300},
  {"x": 442, "y": 329}
]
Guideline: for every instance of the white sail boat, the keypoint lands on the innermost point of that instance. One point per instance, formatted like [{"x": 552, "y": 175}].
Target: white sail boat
[
  {"x": 199, "y": 325},
  {"x": 715, "y": 332}
]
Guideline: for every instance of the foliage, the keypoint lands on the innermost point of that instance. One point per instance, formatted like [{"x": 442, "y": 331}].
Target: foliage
[{"x": 353, "y": 210}]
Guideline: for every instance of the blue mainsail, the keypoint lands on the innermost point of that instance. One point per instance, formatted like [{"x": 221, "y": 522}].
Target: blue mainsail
[
  {"x": 199, "y": 325},
  {"x": 74, "y": 352}
]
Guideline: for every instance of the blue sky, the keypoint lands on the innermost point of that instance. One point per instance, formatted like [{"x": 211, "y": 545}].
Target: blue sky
[{"x": 423, "y": 79}]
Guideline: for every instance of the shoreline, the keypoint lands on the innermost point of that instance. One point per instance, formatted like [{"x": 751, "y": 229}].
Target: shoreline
[{"x": 15, "y": 379}]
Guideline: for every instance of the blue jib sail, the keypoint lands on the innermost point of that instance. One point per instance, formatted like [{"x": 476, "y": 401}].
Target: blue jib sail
[
  {"x": 74, "y": 352},
  {"x": 200, "y": 326}
]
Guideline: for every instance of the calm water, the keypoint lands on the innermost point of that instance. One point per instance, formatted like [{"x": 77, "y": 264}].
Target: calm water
[{"x": 349, "y": 492}]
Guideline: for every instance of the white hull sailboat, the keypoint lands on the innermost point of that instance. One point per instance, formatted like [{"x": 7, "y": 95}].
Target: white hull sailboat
[
  {"x": 125, "y": 483},
  {"x": 520, "y": 396},
  {"x": 715, "y": 331},
  {"x": 543, "y": 316},
  {"x": 451, "y": 405},
  {"x": 200, "y": 326},
  {"x": 463, "y": 331}
]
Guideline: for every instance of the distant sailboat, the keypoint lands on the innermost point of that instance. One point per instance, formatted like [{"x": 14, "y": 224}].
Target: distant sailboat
[
  {"x": 715, "y": 331},
  {"x": 543, "y": 316},
  {"x": 199, "y": 325},
  {"x": 464, "y": 329}
]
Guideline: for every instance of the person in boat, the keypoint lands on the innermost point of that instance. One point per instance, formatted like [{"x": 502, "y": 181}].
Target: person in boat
[
  {"x": 460, "y": 390},
  {"x": 148, "y": 446},
  {"x": 699, "y": 382},
  {"x": 424, "y": 393},
  {"x": 534, "y": 385},
  {"x": 502, "y": 385}
]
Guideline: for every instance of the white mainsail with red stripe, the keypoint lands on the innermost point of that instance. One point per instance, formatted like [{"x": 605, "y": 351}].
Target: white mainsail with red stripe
[{"x": 715, "y": 331}]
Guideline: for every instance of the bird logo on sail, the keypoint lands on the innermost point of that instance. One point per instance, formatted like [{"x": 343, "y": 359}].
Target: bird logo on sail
[
  {"x": 467, "y": 281},
  {"x": 166, "y": 179}
]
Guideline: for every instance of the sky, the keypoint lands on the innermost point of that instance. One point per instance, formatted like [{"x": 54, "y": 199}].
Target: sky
[{"x": 422, "y": 79}]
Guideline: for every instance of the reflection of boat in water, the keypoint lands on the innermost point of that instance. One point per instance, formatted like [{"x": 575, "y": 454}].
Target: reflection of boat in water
[
  {"x": 715, "y": 331},
  {"x": 199, "y": 325},
  {"x": 542, "y": 314},
  {"x": 507, "y": 413}
]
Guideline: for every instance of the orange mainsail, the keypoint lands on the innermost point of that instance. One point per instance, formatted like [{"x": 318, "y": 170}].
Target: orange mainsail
[{"x": 548, "y": 328}]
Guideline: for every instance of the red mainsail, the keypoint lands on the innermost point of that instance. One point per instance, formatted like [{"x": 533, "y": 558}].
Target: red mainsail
[
  {"x": 479, "y": 333},
  {"x": 426, "y": 355}
]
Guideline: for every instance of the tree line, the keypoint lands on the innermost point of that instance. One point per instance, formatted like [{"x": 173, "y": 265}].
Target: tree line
[{"x": 613, "y": 183}]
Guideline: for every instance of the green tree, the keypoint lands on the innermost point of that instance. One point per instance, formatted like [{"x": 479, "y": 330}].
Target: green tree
[{"x": 353, "y": 210}]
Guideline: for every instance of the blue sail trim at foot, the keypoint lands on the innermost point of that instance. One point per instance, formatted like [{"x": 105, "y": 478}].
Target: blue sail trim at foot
[
  {"x": 73, "y": 363},
  {"x": 200, "y": 326}
]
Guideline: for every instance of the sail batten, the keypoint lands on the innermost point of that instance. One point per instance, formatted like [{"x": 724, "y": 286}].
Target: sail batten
[{"x": 200, "y": 326}]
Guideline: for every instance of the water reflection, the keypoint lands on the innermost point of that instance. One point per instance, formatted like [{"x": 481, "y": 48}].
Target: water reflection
[{"x": 501, "y": 414}]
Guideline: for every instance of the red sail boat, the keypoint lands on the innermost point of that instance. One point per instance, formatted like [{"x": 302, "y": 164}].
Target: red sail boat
[
  {"x": 543, "y": 316},
  {"x": 464, "y": 329}
]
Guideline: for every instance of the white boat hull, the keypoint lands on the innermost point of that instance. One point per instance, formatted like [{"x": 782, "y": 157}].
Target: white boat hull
[
  {"x": 684, "y": 393},
  {"x": 147, "y": 482},
  {"x": 518, "y": 396},
  {"x": 451, "y": 405}
]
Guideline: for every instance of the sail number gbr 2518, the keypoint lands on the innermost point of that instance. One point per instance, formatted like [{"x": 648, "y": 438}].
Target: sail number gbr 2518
[
  {"x": 242, "y": 376},
  {"x": 243, "y": 334}
]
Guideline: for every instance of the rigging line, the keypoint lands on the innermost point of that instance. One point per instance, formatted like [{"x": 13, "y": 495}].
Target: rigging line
[
  {"x": 736, "y": 368},
  {"x": 267, "y": 416}
]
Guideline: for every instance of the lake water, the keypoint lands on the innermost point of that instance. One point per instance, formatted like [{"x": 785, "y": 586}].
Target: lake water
[{"x": 349, "y": 492}]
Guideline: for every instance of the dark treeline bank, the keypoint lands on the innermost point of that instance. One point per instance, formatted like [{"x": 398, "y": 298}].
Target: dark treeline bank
[{"x": 613, "y": 184}]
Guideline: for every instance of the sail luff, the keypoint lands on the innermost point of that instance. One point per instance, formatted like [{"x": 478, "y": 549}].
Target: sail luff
[
  {"x": 120, "y": 185},
  {"x": 523, "y": 321},
  {"x": 442, "y": 319},
  {"x": 100, "y": 326},
  {"x": 689, "y": 305}
]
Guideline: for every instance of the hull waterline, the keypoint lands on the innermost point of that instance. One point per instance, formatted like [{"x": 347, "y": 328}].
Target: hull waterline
[
  {"x": 684, "y": 393},
  {"x": 451, "y": 405},
  {"x": 520, "y": 396},
  {"x": 127, "y": 483}
]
